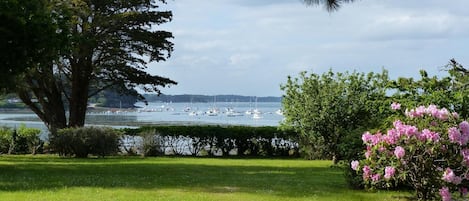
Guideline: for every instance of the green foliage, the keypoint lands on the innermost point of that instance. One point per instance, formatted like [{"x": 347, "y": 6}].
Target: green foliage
[
  {"x": 31, "y": 136},
  {"x": 213, "y": 140},
  {"x": 6, "y": 139},
  {"x": 32, "y": 34},
  {"x": 80, "y": 142},
  {"x": 21, "y": 141},
  {"x": 325, "y": 109}
]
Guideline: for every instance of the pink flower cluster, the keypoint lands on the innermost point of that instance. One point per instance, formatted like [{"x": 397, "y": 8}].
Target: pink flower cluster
[
  {"x": 366, "y": 172},
  {"x": 401, "y": 130},
  {"x": 389, "y": 172},
  {"x": 450, "y": 177},
  {"x": 431, "y": 110},
  {"x": 399, "y": 152},
  {"x": 459, "y": 135},
  {"x": 395, "y": 106},
  {"x": 445, "y": 194}
]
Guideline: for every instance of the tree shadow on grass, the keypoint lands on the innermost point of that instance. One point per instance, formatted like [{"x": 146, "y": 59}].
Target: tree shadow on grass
[{"x": 104, "y": 173}]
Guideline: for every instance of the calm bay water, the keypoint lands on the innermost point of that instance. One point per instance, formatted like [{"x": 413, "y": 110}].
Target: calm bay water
[{"x": 227, "y": 113}]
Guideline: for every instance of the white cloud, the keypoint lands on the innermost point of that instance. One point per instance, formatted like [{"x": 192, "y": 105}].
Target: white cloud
[{"x": 250, "y": 47}]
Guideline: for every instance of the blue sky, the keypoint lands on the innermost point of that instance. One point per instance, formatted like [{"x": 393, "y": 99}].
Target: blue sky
[{"x": 249, "y": 47}]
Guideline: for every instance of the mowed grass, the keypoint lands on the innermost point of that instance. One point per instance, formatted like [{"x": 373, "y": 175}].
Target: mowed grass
[{"x": 52, "y": 178}]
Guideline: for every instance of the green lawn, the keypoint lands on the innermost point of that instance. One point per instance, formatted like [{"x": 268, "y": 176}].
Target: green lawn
[{"x": 53, "y": 178}]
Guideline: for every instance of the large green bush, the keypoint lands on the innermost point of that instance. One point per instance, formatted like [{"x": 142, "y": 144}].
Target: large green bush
[
  {"x": 80, "y": 142},
  {"x": 31, "y": 137},
  {"x": 20, "y": 141}
]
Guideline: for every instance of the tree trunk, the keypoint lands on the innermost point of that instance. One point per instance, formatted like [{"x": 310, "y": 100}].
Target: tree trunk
[
  {"x": 81, "y": 67},
  {"x": 49, "y": 106}
]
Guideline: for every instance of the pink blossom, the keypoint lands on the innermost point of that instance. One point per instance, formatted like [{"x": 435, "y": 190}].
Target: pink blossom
[
  {"x": 399, "y": 152},
  {"x": 411, "y": 130},
  {"x": 368, "y": 154},
  {"x": 366, "y": 137},
  {"x": 375, "y": 177},
  {"x": 442, "y": 114},
  {"x": 397, "y": 124},
  {"x": 391, "y": 136},
  {"x": 366, "y": 172},
  {"x": 454, "y": 135},
  {"x": 389, "y": 172},
  {"x": 395, "y": 106},
  {"x": 420, "y": 111},
  {"x": 410, "y": 113},
  {"x": 354, "y": 165},
  {"x": 445, "y": 194},
  {"x": 450, "y": 177},
  {"x": 432, "y": 110},
  {"x": 464, "y": 127},
  {"x": 375, "y": 139},
  {"x": 429, "y": 135}
]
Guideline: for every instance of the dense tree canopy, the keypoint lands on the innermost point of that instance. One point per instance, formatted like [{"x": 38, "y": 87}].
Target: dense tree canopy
[
  {"x": 30, "y": 33},
  {"x": 108, "y": 43},
  {"x": 325, "y": 108}
]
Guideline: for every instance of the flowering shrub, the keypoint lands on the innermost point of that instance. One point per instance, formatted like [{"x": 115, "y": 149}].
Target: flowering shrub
[{"x": 428, "y": 150}]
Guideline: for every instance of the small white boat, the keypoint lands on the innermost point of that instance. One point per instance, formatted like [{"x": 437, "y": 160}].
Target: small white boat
[
  {"x": 279, "y": 112},
  {"x": 212, "y": 112},
  {"x": 257, "y": 116}
]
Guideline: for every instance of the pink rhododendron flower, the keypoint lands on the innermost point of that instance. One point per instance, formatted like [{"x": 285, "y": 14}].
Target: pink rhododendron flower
[
  {"x": 375, "y": 177},
  {"x": 431, "y": 110},
  {"x": 450, "y": 177},
  {"x": 445, "y": 194},
  {"x": 454, "y": 135},
  {"x": 395, "y": 106},
  {"x": 368, "y": 154},
  {"x": 354, "y": 165},
  {"x": 366, "y": 172},
  {"x": 429, "y": 135},
  {"x": 389, "y": 172},
  {"x": 443, "y": 114},
  {"x": 399, "y": 152},
  {"x": 464, "y": 127},
  {"x": 366, "y": 137}
]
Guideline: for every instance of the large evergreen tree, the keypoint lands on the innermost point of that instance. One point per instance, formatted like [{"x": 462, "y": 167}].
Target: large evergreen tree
[{"x": 109, "y": 44}]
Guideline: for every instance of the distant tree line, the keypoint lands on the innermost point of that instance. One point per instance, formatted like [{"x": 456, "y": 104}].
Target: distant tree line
[{"x": 207, "y": 99}]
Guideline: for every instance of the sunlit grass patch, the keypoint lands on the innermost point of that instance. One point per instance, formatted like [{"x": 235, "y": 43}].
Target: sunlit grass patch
[{"x": 134, "y": 178}]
